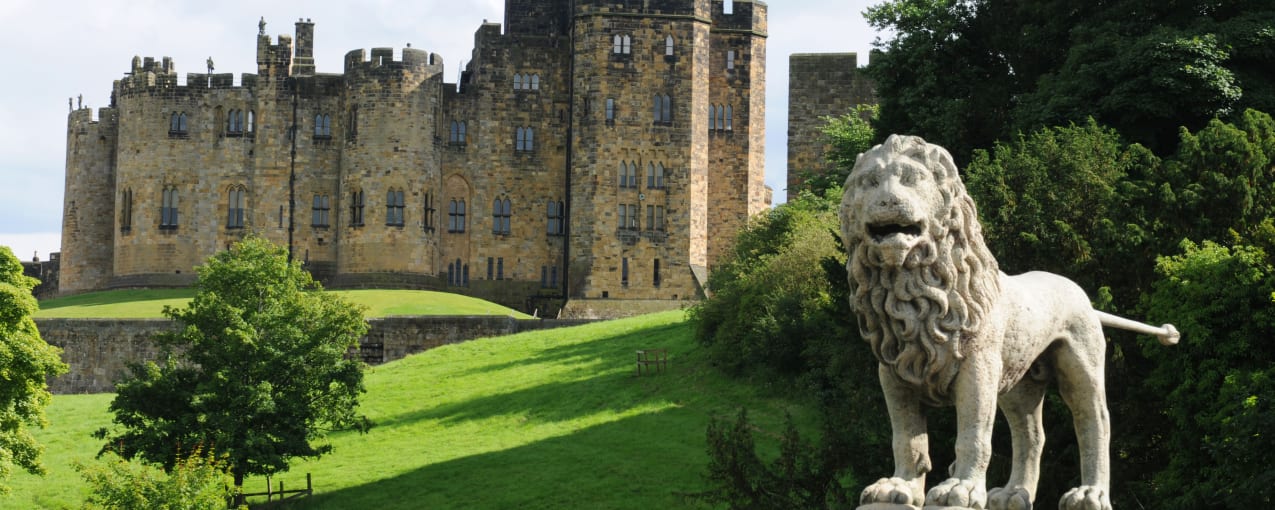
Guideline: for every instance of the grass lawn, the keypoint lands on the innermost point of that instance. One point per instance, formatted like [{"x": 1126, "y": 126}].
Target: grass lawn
[
  {"x": 149, "y": 303},
  {"x": 548, "y": 419}
]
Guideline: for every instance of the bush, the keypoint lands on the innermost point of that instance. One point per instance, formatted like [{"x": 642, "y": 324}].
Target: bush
[{"x": 196, "y": 482}]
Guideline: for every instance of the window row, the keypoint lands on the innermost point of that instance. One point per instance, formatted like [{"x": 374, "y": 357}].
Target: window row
[
  {"x": 526, "y": 81},
  {"x": 457, "y": 274},
  {"x": 656, "y": 278},
  {"x": 629, "y": 217},
  {"x": 721, "y": 118},
  {"x": 622, "y": 44},
  {"x": 654, "y": 175},
  {"x": 235, "y": 121}
]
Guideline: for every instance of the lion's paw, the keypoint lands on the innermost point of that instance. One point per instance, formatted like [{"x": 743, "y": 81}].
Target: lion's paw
[
  {"x": 1085, "y": 497},
  {"x": 1009, "y": 498},
  {"x": 889, "y": 490},
  {"x": 958, "y": 493}
]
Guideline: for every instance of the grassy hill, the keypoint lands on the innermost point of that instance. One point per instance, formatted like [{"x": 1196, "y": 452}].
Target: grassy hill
[
  {"x": 548, "y": 419},
  {"x": 150, "y": 303}
]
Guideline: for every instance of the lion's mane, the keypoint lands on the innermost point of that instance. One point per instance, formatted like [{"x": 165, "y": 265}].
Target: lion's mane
[{"x": 919, "y": 318}]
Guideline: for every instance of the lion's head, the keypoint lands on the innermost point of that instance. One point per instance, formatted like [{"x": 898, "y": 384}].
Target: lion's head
[{"x": 921, "y": 276}]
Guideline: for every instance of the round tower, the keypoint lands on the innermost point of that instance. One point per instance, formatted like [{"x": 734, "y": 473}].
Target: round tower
[
  {"x": 389, "y": 165},
  {"x": 88, "y": 210}
]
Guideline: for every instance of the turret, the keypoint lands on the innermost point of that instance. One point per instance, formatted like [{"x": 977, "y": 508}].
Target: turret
[
  {"x": 88, "y": 213},
  {"x": 303, "y": 63}
]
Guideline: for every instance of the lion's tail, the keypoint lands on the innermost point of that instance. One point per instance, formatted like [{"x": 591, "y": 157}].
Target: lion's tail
[{"x": 1167, "y": 334}]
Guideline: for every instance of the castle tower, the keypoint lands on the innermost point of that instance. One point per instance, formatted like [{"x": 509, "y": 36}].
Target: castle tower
[
  {"x": 737, "y": 121},
  {"x": 640, "y": 166},
  {"x": 389, "y": 159},
  {"x": 88, "y": 213},
  {"x": 819, "y": 85}
]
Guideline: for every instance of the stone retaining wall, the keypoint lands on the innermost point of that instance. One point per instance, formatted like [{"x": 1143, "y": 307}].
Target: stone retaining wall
[{"x": 98, "y": 351}]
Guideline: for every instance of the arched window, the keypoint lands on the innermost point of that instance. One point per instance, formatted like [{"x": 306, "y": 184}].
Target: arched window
[
  {"x": 668, "y": 46},
  {"x": 730, "y": 59},
  {"x": 501, "y": 211},
  {"x": 628, "y": 45},
  {"x": 624, "y": 173},
  {"x": 234, "y": 123},
  {"x": 235, "y": 207},
  {"x": 451, "y": 274},
  {"x": 318, "y": 125},
  {"x": 181, "y": 122},
  {"x": 394, "y": 208},
  {"x": 177, "y": 124},
  {"x": 518, "y": 82},
  {"x": 352, "y": 128},
  {"x": 456, "y": 216},
  {"x": 650, "y": 175},
  {"x": 168, "y": 208},
  {"x": 535, "y": 82},
  {"x": 524, "y": 140},
  {"x": 729, "y": 121},
  {"x": 659, "y": 175},
  {"x": 454, "y": 133},
  {"x": 617, "y": 45},
  {"x": 557, "y": 216},
  {"x": 668, "y": 110},
  {"x": 460, "y": 137},
  {"x": 721, "y": 117},
  {"x": 356, "y": 208},
  {"x": 610, "y": 110},
  {"x": 252, "y": 121}
]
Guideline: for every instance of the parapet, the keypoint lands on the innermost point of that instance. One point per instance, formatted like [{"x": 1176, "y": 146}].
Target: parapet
[
  {"x": 666, "y": 7},
  {"x": 815, "y": 62},
  {"x": 383, "y": 59}
]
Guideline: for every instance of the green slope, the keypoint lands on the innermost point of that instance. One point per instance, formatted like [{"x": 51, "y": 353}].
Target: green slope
[
  {"x": 548, "y": 419},
  {"x": 149, "y": 303}
]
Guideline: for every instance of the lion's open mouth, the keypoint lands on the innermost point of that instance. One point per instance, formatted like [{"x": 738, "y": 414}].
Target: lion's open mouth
[{"x": 881, "y": 231}]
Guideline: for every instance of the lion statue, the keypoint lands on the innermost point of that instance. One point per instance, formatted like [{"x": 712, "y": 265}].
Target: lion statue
[{"x": 949, "y": 328}]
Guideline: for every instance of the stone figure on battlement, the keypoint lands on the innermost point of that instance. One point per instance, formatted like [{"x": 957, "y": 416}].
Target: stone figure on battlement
[{"x": 949, "y": 328}]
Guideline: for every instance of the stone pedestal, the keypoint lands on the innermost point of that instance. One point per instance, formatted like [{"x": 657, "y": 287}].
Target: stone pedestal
[{"x": 897, "y": 506}]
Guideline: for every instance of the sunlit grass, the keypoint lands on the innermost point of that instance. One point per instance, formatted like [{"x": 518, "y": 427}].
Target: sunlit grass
[
  {"x": 545, "y": 419},
  {"x": 150, "y": 303}
]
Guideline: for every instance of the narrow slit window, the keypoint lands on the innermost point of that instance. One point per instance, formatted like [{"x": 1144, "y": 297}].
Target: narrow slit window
[{"x": 668, "y": 46}]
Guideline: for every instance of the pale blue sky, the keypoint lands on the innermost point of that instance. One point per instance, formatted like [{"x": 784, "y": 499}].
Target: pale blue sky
[{"x": 56, "y": 50}]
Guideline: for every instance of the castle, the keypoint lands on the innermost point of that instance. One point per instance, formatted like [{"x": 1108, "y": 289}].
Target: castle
[{"x": 593, "y": 150}]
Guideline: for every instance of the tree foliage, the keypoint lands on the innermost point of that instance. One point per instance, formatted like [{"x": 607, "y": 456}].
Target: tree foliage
[
  {"x": 256, "y": 373},
  {"x": 965, "y": 73},
  {"x": 25, "y": 363},
  {"x": 847, "y": 136},
  {"x": 1216, "y": 392},
  {"x": 198, "y": 481}
]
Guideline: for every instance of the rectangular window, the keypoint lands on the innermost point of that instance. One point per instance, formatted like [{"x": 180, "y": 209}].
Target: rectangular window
[
  {"x": 356, "y": 208},
  {"x": 633, "y": 217},
  {"x": 319, "y": 211},
  {"x": 491, "y": 268},
  {"x": 557, "y": 218},
  {"x": 610, "y": 109},
  {"x": 659, "y": 218},
  {"x": 428, "y": 217},
  {"x": 456, "y": 216},
  {"x": 168, "y": 209},
  {"x": 394, "y": 208},
  {"x": 544, "y": 277},
  {"x": 730, "y": 59},
  {"x": 655, "y": 275},
  {"x": 624, "y": 272},
  {"x": 500, "y": 268},
  {"x": 624, "y": 217}
]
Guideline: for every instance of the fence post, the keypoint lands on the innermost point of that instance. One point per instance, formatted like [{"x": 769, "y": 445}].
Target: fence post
[
  {"x": 268, "y": 493},
  {"x": 309, "y": 489}
]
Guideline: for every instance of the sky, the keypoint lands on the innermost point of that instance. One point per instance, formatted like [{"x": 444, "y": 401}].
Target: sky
[{"x": 64, "y": 49}]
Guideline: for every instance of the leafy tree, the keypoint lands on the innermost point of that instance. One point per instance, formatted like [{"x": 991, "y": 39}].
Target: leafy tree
[
  {"x": 257, "y": 372},
  {"x": 1216, "y": 390},
  {"x": 964, "y": 73},
  {"x": 847, "y": 136},
  {"x": 195, "y": 482},
  {"x": 25, "y": 363}
]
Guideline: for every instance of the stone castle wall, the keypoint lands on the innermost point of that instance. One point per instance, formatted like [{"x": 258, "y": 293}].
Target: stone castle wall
[
  {"x": 820, "y": 85},
  {"x": 99, "y": 351}
]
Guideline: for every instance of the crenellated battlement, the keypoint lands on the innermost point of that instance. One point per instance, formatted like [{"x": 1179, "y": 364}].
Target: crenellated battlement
[
  {"x": 695, "y": 8},
  {"x": 382, "y": 60},
  {"x": 85, "y": 116}
]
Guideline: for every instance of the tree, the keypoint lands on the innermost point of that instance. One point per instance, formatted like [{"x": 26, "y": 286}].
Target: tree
[
  {"x": 964, "y": 73},
  {"x": 257, "y": 372},
  {"x": 847, "y": 136},
  {"x": 26, "y": 361}
]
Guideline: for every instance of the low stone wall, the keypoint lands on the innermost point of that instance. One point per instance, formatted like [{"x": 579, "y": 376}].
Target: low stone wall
[
  {"x": 619, "y": 308},
  {"x": 98, "y": 351}
]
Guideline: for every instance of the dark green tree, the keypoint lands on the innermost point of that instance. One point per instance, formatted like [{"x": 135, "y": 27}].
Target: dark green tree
[
  {"x": 964, "y": 73},
  {"x": 25, "y": 363},
  {"x": 257, "y": 373}
]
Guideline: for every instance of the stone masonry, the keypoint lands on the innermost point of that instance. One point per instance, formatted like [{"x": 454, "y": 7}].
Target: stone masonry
[
  {"x": 506, "y": 185},
  {"x": 820, "y": 85}
]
